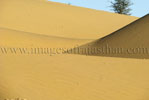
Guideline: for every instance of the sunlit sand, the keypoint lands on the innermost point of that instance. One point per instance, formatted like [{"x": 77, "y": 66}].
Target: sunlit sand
[{"x": 63, "y": 76}]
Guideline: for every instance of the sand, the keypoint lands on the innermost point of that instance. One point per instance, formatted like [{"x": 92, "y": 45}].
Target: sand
[
  {"x": 15, "y": 38},
  {"x": 57, "y": 19},
  {"x": 73, "y": 77},
  {"x": 63, "y": 76},
  {"x": 130, "y": 41}
]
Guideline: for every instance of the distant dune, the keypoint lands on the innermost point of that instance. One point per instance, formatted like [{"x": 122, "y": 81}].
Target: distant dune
[
  {"x": 62, "y": 76},
  {"x": 57, "y": 19}
]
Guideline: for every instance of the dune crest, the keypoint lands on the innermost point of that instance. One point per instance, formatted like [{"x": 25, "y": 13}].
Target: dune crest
[
  {"x": 15, "y": 38},
  {"x": 130, "y": 41}
]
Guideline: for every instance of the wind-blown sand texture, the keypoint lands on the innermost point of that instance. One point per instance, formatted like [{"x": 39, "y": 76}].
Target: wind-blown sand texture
[{"x": 37, "y": 23}]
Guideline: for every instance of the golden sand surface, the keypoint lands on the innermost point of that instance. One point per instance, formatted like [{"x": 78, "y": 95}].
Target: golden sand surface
[
  {"x": 63, "y": 76},
  {"x": 58, "y": 19}
]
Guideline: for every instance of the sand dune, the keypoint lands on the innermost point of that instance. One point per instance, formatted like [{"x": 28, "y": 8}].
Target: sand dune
[
  {"x": 57, "y": 19},
  {"x": 35, "y": 23},
  {"x": 131, "y": 42}
]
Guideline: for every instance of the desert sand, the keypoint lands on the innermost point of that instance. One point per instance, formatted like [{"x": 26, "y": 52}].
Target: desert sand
[
  {"x": 60, "y": 20},
  {"x": 133, "y": 38},
  {"x": 63, "y": 76}
]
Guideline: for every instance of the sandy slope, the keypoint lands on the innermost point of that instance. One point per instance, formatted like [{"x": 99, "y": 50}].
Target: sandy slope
[
  {"x": 59, "y": 19},
  {"x": 73, "y": 77},
  {"x": 130, "y": 42}
]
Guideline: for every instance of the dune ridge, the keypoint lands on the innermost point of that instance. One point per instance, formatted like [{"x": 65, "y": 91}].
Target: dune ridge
[
  {"x": 131, "y": 38},
  {"x": 15, "y": 38}
]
